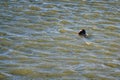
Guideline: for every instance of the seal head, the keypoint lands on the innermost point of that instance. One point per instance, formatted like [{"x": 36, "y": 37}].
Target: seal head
[{"x": 82, "y": 33}]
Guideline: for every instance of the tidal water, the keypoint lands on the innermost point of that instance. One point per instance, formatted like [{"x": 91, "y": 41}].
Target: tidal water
[{"x": 39, "y": 40}]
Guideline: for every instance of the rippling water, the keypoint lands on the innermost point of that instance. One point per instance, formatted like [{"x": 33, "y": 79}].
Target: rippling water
[{"x": 39, "y": 40}]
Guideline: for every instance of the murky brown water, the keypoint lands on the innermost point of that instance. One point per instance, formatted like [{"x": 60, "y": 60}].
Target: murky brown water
[{"x": 39, "y": 40}]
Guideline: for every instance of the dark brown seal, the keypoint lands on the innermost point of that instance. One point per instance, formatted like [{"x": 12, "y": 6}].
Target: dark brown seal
[{"x": 82, "y": 33}]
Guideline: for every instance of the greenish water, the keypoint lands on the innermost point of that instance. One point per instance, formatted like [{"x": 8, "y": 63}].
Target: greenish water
[{"x": 39, "y": 40}]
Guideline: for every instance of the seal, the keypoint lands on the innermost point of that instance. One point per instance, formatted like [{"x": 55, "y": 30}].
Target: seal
[{"x": 82, "y": 33}]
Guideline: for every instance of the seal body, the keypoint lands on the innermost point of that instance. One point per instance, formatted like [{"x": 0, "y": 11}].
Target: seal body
[{"x": 82, "y": 33}]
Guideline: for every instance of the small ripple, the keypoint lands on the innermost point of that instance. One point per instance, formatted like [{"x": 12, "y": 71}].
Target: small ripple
[{"x": 3, "y": 76}]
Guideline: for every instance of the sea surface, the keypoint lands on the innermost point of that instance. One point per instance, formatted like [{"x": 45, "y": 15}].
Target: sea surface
[{"x": 39, "y": 40}]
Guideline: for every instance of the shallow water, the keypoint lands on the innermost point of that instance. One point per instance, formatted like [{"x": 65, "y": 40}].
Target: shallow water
[{"x": 39, "y": 40}]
